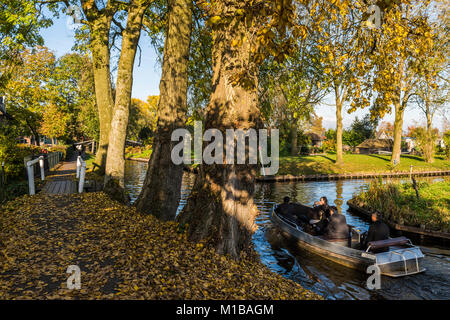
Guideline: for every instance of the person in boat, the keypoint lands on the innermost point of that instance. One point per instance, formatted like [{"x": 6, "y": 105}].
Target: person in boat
[
  {"x": 293, "y": 211},
  {"x": 284, "y": 207},
  {"x": 336, "y": 227},
  {"x": 378, "y": 230},
  {"x": 320, "y": 209},
  {"x": 322, "y": 203}
]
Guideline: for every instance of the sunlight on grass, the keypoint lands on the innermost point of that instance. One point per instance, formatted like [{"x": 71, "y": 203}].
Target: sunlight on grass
[{"x": 356, "y": 163}]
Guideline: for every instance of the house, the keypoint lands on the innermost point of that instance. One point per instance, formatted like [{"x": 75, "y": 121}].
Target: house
[
  {"x": 410, "y": 144},
  {"x": 440, "y": 143},
  {"x": 383, "y": 135},
  {"x": 316, "y": 140},
  {"x": 370, "y": 146}
]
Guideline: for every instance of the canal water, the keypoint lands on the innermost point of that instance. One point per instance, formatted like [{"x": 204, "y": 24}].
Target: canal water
[{"x": 324, "y": 277}]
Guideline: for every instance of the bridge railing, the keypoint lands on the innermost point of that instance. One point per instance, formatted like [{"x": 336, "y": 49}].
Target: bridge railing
[
  {"x": 30, "y": 171},
  {"x": 45, "y": 162}
]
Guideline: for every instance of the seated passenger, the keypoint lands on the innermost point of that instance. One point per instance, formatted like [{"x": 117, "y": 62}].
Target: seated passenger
[
  {"x": 283, "y": 208},
  {"x": 378, "y": 230},
  {"x": 323, "y": 202},
  {"x": 336, "y": 227}
]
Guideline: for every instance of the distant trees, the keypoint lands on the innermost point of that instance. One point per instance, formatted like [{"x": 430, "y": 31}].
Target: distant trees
[
  {"x": 28, "y": 89},
  {"x": 359, "y": 131},
  {"x": 425, "y": 140},
  {"x": 52, "y": 96},
  {"x": 142, "y": 120},
  {"x": 20, "y": 21}
]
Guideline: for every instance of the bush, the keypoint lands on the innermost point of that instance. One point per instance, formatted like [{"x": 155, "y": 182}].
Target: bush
[
  {"x": 65, "y": 149},
  {"x": 13, "y": 156}
]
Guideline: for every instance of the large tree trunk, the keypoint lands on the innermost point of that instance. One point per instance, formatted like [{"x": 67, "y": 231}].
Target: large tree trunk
[
  {"x": 115, "y": 162},
  {"x": 160, "y": 194},
  {"x": 339, "y": 127},
  {"x": 398, "y": 127},
  {"x": 294, "y": 138},
  {"x": 99, "y": 30},
  {"x": 220, "y": 207}
]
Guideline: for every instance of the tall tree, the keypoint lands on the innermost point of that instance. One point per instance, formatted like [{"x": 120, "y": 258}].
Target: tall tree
[
  {"x": 220, "y": 207},
  {"x": 115, "y": 162},
  {"x": 161, "y": 190},
  {"x": 432, "y": 90},
  {"x": 402, "y": 39},
  {"x": 342, "y": 55},
  {"x": 99, "y": 21}
]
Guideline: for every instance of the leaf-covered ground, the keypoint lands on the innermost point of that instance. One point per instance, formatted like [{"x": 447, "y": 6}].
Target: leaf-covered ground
[{"x": 121, "y": 254}]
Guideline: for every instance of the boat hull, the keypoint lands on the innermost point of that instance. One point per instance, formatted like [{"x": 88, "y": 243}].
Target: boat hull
[{"x": 389, "y": 263}]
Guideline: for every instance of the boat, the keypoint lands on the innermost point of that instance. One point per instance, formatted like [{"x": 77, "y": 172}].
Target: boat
[{"x": 402, "y": 258}]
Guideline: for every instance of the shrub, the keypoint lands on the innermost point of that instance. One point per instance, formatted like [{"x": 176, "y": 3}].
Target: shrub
[
  {"x": 13, "y": 156},
  {"x": 65, "y": 149}
]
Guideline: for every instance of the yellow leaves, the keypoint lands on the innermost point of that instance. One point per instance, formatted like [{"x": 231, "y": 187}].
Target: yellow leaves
[
  {"x": 300, "y": 32},
  {"x": 214, "y": 19},
  {"x": 122, "y": 255},
  {"x": 240, "y": 12}
]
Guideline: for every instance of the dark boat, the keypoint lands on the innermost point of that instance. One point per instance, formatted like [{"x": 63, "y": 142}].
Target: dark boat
[{"x": 402, "y": 259}]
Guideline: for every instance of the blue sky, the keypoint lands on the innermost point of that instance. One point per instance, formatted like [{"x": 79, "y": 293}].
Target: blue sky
[{"x": 60, "y": 38}]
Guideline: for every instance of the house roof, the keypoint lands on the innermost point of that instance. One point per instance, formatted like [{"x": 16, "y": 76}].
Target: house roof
[{"x": 376, "y": 143}]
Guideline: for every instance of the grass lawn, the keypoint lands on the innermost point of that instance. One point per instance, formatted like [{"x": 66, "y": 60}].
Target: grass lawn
[
  {"x": 356, "y": 163},
  {"x": 398, "y": 203},
  {"x": 143, "y": 154}
]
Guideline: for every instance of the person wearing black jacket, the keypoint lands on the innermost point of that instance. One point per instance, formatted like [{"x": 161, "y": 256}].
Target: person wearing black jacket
[
  {"x": 378, "y": 230},
  {"x": 337, "y": 227}
]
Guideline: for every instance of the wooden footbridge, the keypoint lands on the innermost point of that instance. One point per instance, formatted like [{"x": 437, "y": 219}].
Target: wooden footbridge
[{"x": 61, "y": 180}]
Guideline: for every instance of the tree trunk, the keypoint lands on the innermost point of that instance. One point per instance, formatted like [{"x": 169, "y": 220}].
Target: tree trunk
[
  {"x": 160, "y": 194},
  {"x": 339, "y": 153},
  {"x": 220, "y": 207},
  {"x": 398, "y": 125},
  {"x": 428, "y": 148},
  {"x": 99, "y": 30},
  {"x": 115, "y": 162},
  {"x": 294, "y": 142}
]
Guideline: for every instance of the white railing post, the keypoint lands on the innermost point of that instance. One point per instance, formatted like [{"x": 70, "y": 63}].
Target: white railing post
[
  {"x": 41, "y": 164},
  {"x": 30, "y": 170},
  {"x": 78, "y": 166},
  {"x": 82, "y": 176}
]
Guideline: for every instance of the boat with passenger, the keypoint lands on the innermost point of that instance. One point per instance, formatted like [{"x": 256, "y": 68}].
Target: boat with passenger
[{"x": 400, "y": 256}]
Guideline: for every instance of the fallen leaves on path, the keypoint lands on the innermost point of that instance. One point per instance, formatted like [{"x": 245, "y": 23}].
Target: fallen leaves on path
[{"x": 122, "y": 255}]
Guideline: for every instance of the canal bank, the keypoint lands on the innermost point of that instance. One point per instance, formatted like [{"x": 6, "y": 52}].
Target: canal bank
[
  {"x": 327, "y": 177},
  {"x": 328, "y": 279}
]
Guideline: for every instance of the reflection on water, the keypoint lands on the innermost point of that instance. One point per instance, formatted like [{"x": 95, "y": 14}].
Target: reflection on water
[{"x": 317, "y": 274}]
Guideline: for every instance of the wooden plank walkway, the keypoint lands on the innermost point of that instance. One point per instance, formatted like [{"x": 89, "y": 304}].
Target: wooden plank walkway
[
  {"x": 60, "y": 187},
  {"x": 60, "y": 180}
]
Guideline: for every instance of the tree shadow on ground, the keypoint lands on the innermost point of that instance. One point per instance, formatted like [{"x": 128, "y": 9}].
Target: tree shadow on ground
[
  {"x": 408, "y": 156},
  {"x": 378, "y": 157}
]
